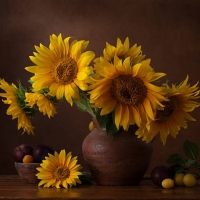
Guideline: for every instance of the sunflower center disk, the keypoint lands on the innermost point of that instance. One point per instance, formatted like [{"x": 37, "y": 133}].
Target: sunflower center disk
[
  {"x": 129, "y": 90},
  {"x": 65, "y": 71},
  {"x": 61, "y": 173},
  {"x": 169, "y": 109}
]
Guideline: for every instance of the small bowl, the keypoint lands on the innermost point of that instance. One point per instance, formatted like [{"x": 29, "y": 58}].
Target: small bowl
[{"x": 27, "y": 171}]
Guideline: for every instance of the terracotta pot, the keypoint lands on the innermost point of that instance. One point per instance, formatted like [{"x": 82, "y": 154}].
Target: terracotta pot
[{"x": 122, "y": 160}]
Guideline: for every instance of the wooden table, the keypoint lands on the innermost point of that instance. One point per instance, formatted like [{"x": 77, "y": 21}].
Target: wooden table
[{"x": 13, "y": 187}]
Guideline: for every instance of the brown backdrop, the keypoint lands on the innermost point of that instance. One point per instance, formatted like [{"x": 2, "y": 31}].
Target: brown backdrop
[{"x": 169, "y": 32}]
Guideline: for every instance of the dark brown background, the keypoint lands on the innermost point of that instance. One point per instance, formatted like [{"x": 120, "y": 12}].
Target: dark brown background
[{"x": 168, "y": 30}]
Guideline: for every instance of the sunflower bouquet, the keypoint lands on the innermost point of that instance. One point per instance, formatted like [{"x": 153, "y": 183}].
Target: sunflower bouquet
[{"x": 119, "y": 89}]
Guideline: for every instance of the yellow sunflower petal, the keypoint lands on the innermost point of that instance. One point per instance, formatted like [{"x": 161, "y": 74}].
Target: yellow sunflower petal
[
  {"x": 53, "y": 89},
  {"x": 118, "y": 116},
  {"x": 60, "y": 91}
]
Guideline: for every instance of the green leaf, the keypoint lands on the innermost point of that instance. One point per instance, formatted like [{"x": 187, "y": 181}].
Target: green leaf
[
  {"x": 175, "y": 159},
  {"x": 194, "y": 164},
  {"x": 111, "y": 128},
  {"x": 191, "y": 149},
  {"x": 106, "y": 121},
  {"x": 84, "y": 105},
  {"x": 85, "y": 178},
  {"x": 102, "y": 120},
  {"x": 190, "y": 163}
]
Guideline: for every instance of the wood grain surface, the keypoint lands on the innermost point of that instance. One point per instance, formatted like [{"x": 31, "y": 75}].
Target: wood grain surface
[{"x": 13, "y": 187}]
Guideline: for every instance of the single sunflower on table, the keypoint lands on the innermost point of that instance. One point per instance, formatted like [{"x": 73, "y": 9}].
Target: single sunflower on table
[{"x": 59, "y": 170}]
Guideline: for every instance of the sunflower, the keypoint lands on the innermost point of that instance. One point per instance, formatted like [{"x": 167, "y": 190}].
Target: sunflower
[
  {"x": 45, "y": 105},
  {"x": 62, "y": 68},
  {"x": 175, "y": 113},
  {"x": 59, "y": 170},
  {"x": 127, "y": 91},
  {"x": 122, "y": 50},
  {"x": 18, "y": 109}
]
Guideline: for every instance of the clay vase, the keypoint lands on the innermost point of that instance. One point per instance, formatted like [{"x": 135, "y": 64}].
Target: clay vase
[{"x": 120, "y": 160}]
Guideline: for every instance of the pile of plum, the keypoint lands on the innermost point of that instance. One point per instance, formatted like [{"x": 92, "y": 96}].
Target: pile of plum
[{"x": 25, "y": 153}]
